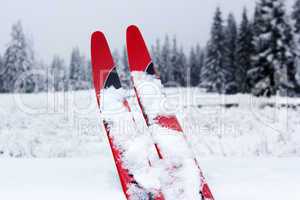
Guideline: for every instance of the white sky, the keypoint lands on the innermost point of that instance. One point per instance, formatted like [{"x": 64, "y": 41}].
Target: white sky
[{"x": 56, "y": 26}]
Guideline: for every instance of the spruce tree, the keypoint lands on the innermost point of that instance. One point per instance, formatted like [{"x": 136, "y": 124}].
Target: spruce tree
[
  {"x": 89, "y": 75},
  {"x": 174, "y": 66},
  {"x": 178, "y": 65},
  {"x": 194, "y": 68},
  {"x": 1, "y": 71},
  {"x": 77, "y": 75},
  {"x": 213, "y": 75},
  {"x": 58, "y": 73},
  {"x": 156, "y": 56},
  {"x": 1, "y": 62},
  {"x": 165, "y": 68},
  {"x": 18, "y": 61},
  {"x": 296, "y": 16},
  {"x": 196, "y": 60},
  {"x": 274, "y": 68},
  {"x": 182, "y": 69},
  {"x": 230, "y": 55},
  {"x": 200, "y": 59},
  {"x": 296, "y": 19},
  {"x": 288, "y": 54},
  {"x": 117, "y": 58},
  {"x": 121, "y": 62},
  {"x": 125, "y": 74},
  {"x": 257, "y": 72},
  {"x": 40, "y": 77},
  {"x": 244, "y": 53}
]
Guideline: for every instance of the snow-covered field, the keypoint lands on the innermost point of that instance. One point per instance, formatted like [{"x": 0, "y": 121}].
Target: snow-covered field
[
  {"x": 95, "y": 178},
  {"x": 249, "y": 148}
]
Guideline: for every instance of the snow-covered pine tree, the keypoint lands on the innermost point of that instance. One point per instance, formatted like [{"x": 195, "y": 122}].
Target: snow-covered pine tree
[
  {"x": 274, "y": 68},
  {"x": 182, "y": 69},
  {"x": 230, "y": 55},
  {"x": 89, "y": 75},
  {"x": 117, "y": 57},
  {"x": 77, "y": 75},
  {"x": 213, "y": 76},
  {"x": 1, "y": 71},
  {"x": 257, "y": 72},
  {"x": 1, "y": 62},
  {"x": 176, "y": 73},
  {"x": 194, "y": 68},
  {"x": 296, "y": 19},
  {"x": 40, "y": 77},
  {"x": 58, "y": 74},
  {"x": 156, "y": 55},
  {"x": 121, "y": 62},
  {"x": 244, "y": 53},
  {"x": 178, "y": 64},
  {"x": 201, "y": 58},
  {"x": 296, "y": 16},
  {"x": 289, "y": 85},
  {"x": 165, "y": 68},
  {"x": 124, "y": 69},
  {"x": 18, "y": 61},
  {"x": 195, "y": 63}
]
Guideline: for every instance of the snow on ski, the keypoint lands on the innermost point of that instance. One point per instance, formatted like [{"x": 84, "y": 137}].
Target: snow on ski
[
  {"x": 186, "y": 180},
  {"x": 130, "y": 148}
]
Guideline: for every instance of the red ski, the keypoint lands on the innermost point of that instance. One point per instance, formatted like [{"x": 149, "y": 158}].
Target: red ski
[
  {"x": 114, "y": 109},
  {"x": 167, "y": 132}
]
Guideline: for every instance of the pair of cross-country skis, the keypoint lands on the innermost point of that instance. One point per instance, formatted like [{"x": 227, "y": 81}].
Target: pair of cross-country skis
[{"x": 156, "y": 163}]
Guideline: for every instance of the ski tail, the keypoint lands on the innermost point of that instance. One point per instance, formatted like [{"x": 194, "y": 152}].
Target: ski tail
[{"x": 140, "y": 61}]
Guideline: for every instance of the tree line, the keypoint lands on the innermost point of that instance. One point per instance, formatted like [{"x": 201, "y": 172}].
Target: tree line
[
  {"x": 20, "y": 71},
  {"x": 261, "y": 56}
]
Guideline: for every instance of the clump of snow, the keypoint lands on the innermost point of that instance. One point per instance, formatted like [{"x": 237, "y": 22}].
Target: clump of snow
[
  {"x": 136, "y": 146},
  {"x": 183, "y": 179},
  {"x": 151, "y": 92}
]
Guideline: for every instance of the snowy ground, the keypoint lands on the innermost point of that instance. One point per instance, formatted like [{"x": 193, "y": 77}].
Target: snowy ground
[
  {"x": 52, "y": 145},
  {"x": 95, "y": 178},
  {"x": 67, "y": 125}
]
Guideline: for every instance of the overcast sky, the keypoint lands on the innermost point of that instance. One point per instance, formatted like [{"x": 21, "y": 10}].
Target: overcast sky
[{"x": 56, "y": 26}]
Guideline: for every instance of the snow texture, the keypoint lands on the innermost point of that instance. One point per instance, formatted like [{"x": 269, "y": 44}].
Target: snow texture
[
  {"x": 96, "y": 178},
  {"x": 64, "y": 125},
  {"x": 183, "y": 179},
  {"x": 137, "y": 147},
  {"x": 49, "y": 125}
]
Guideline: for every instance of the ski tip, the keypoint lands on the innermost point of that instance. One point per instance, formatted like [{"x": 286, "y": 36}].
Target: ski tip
[
  {"x": 100, "y": 52},
  {"x": 133, "y": 28},
  {"x": 138, "y": 54},
  {"x": 102, "y": 60},
  {"x": 97, "y": 34},
  {"x": 97, "y": 38}
]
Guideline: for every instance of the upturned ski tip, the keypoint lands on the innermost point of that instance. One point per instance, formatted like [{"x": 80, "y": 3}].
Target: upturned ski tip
[
  {"x": 138, "y": 54},
  {"x": 102, "y": 61},
  {"x": 100, "y": 52}
]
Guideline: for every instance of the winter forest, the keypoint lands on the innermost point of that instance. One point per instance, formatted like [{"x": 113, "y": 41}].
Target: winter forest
[{"x": 259, "y": 56}]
